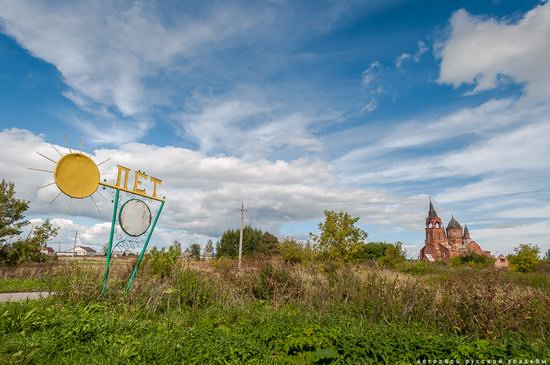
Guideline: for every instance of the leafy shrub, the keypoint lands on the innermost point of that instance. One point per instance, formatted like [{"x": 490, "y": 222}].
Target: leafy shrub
[
  {"x": 525, "y": 258},
  {"x": 474, "y": 260},
  {"x": 294, "y": 252},
  {"x": 393, "y": 255},
  {"x": 162, "y": 262},
  {"x": 474, "y": 302},
  {"x": 276, "y": 282}
]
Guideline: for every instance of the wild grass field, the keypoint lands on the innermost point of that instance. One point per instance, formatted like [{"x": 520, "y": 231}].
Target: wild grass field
[{"x": 274, "y": 312}]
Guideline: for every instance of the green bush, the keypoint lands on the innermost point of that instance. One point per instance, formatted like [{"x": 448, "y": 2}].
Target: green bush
[
  {"x": 473, "y": 260},
  {"x": 525, "y": 258},
  {"x": 162, "y": 262},
  {"x": 274, "y": 312},
  {"x": 294, "y": 252}
]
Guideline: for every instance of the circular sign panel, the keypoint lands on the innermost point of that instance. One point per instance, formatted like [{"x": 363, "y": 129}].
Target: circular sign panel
[
  {"x": 135, "y": 217},
  {"x": 76, "y": 175}
]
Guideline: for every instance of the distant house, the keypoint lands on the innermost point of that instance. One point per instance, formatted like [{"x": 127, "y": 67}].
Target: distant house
[
  {"x": 186, "y": 254},
  {"x": 207, "y": 255},
  {"x": 501, "y": 262},
  {"x": 47, "y": 251},
  {"x": 79, "y": 251}
]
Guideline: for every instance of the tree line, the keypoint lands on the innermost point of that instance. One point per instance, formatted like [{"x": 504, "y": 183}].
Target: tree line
[{"x": 339, "y": 240}]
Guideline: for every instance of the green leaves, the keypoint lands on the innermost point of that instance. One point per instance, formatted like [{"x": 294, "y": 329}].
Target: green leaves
[
  {"x": 525, "y": 258},
  {"x": 15, "y": 250},
  {"x": 48, "y": 332},
  {"x": 339, "y": 238},
  {"x": 254, "y": 242},
  {"x": 11, "y": 212}
]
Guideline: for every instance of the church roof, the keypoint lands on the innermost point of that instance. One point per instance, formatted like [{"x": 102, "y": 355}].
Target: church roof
[
  {"x": 466, "y": 232},
  {"x": 453, "y": 223},
  {"x": 432, "y": 213}
]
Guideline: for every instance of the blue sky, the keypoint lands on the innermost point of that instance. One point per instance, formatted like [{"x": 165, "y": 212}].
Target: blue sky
[{"x": 291, "y": 106}]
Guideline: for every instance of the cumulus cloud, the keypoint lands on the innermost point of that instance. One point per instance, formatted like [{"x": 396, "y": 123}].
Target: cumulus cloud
[
  {"x": 203, "y": 192},
  {"x": 480, "y": 50}
]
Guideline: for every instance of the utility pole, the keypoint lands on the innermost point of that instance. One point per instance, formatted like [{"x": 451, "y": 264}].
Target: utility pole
[
  {"x": 241, "y": 236},
  {"x": 74, "y": 244}
]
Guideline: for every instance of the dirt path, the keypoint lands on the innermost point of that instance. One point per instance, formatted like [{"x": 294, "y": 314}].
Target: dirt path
[{"x": 17, "y": 297}]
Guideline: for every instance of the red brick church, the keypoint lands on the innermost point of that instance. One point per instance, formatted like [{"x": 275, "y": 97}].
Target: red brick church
[{"x": 443, "y": 244}]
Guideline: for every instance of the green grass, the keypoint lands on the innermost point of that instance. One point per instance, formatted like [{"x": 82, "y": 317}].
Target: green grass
[
  {"x": 75, "y": 333},
  {"x": 539, "y": 280},
  {"x": 23, "y": 285},
  {"x": 275, "y": 313}
]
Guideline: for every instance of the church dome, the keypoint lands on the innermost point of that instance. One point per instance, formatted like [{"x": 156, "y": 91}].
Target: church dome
[{"x": 453, "y": 223}]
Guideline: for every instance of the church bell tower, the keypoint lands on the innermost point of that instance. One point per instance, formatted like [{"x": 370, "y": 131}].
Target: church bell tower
[{"x": 435, "y": 233}]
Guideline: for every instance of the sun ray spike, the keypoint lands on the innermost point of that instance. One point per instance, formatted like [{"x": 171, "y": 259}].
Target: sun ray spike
[
  {"x": 70, "y": 203},
  {"x": 54, "y": 199},
  {"x": 33, "y": 169},
  {"x": 67, "y": 142},
  {"x": 99, "y": 164},
  {"x": 101, "y": 195},
  {"x": 60, "y": 154},
  {"x": 45, "y": 186},
  {"x": 97, "y": 207},
  {"x": 46, "y": 157}
]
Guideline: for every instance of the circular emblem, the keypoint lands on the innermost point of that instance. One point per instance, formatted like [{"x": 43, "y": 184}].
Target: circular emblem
[
  {"x": 135, "y": 217},
  {"x": 76, "y": 175}
]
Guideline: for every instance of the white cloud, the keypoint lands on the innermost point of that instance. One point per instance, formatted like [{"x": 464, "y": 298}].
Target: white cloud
[
  {"x": 488, "y": 163},
  {"x": 422, "y": 48},
  {"x": 496, "y": 115},
  {"x": 518, "y": 146},
  {"x": 203, "y": 192},
  {"x": 253, "y": 124},
  {"x": 479, "y": 50},
  {"x": 371, "y": 73},
  {"x": 370, "y": 106},
  {"x": 105, "y": 50}
]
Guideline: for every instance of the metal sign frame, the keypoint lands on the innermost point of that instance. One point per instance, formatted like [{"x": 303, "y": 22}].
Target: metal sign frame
[
  {"x": 78, "y": 177},
  {"x": 149, "y": 231}
]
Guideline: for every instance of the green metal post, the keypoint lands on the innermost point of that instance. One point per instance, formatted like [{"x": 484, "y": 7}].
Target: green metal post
[
  {"x": 144, "y": 247},
  {"x": 108, "y": 261}
]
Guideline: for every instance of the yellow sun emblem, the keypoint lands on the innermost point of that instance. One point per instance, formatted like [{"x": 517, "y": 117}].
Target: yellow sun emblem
[{"x": 76, "y": 175}]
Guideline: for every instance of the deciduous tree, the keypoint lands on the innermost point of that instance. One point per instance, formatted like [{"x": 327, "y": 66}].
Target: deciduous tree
[
  {"x": 15, "y": 249},
  {"x": 196, "y": 251},
  {"x": 525, "y": 258},
  {"x": 254, "y": 242},
  {"x": 339, "y": 238}
]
